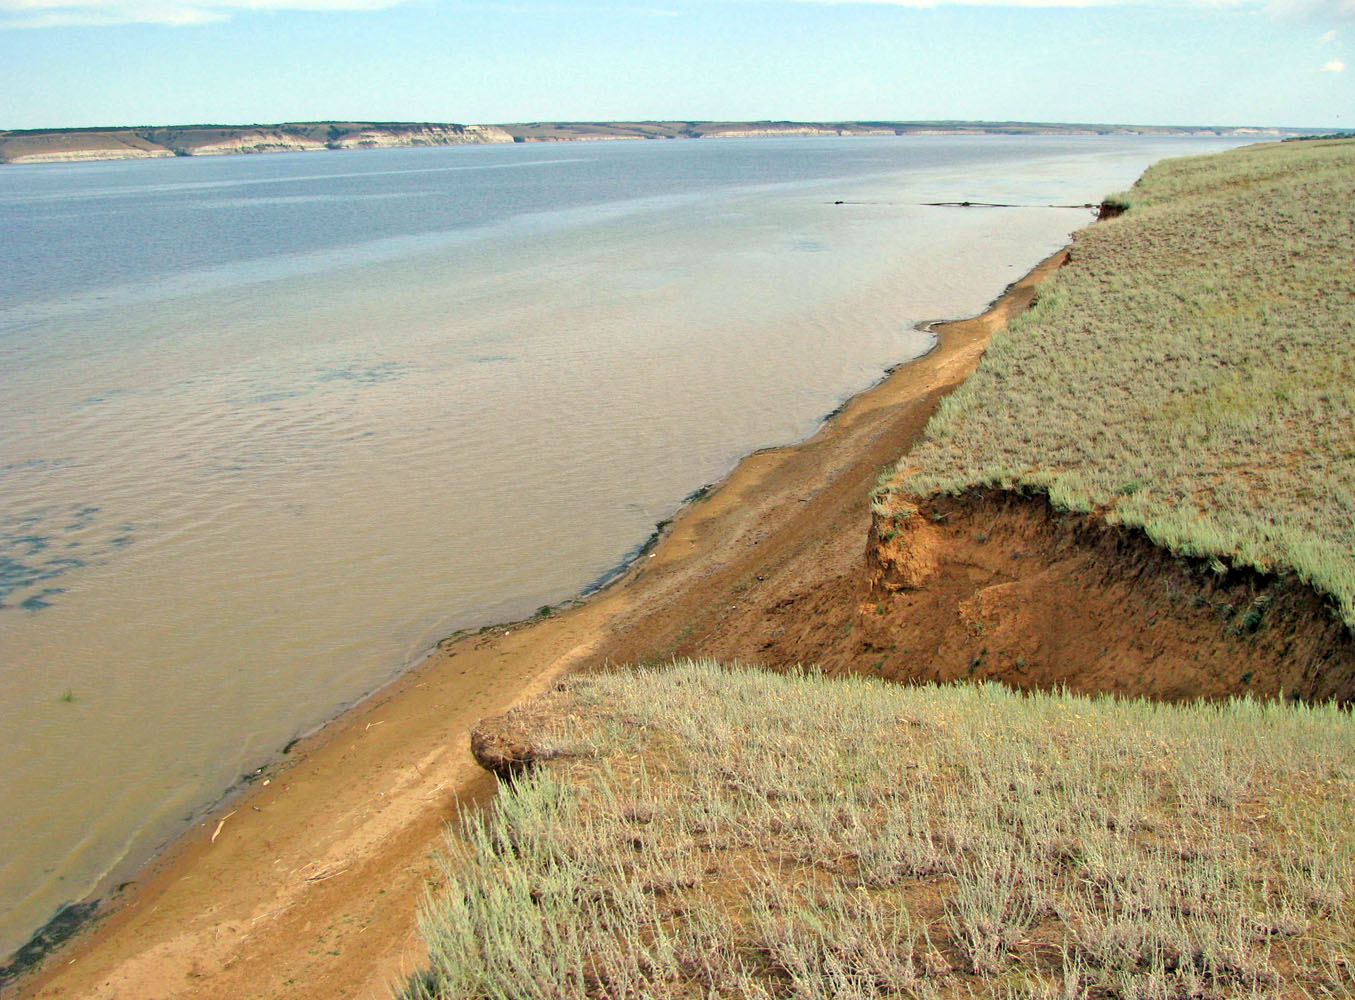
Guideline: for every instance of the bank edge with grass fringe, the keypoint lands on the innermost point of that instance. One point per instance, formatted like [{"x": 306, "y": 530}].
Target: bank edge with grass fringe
[
  {"x": 693, "y": 831},
  {"x": 1190, "y": 372}
]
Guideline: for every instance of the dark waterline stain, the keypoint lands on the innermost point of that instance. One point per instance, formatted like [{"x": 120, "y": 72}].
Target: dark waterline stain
[{"x": 67, "y": 920}]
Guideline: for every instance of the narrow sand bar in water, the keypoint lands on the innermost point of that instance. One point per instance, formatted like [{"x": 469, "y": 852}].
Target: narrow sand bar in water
[{"x": 308, "y": 885}]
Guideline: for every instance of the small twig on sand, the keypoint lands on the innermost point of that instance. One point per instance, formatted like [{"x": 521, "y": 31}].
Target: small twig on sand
[{"x": 217, "y": 832}]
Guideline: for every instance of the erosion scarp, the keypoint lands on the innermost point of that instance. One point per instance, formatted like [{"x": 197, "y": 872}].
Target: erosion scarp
[{"x": 996, "y": 585}]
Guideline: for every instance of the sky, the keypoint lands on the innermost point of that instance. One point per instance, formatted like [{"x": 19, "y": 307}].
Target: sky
[{"x": 1161, "y": 62}]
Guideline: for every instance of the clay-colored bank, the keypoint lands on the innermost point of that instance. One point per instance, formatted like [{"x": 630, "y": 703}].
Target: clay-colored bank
[{"x": 66, "y": 145}]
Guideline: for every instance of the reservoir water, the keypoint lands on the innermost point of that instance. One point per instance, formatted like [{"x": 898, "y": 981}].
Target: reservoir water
[{"x": 271, "y": 426}]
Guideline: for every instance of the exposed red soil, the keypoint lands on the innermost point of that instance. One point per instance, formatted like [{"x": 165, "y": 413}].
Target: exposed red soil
[{"x": 1000, "y": 586}]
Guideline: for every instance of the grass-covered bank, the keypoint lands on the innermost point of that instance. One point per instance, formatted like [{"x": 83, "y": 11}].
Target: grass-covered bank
[
  {"x": 694, "y": 832},
  {"x": 1191, "y": 371},
  {"x": 697, "y": 832}
]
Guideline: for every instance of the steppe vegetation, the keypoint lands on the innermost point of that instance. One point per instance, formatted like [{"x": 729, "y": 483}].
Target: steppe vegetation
[
  {"x": 1190, "y": 372},
  {"x": 696, "y": 832}
]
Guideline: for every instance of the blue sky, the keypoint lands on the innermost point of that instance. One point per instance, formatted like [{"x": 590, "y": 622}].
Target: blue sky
[{"x": 126, "y": 62}]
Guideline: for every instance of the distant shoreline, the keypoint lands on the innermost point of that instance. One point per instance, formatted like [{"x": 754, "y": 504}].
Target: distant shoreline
[{"x": 68, "y": 145}]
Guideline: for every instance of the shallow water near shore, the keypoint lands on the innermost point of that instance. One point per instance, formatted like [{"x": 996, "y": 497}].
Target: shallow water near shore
[{"x": 272, "y": 426}]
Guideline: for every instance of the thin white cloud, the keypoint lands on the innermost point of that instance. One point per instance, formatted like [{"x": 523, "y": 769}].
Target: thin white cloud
[
  {"x": 572, "y": 7},
  {"x": 69, "y": 13},
  {"x": 85, "y": 13},
  {"x": 1333, "y": 66},
  {"x": 1328, "y": 10},
  {"x": 56, "y": 13},
  {"x": 77, "y": 16},
  {"x": 1330, "y": 36},
  {"x": 1316, "y": 10},
  {"x": 996, "y": 3}
]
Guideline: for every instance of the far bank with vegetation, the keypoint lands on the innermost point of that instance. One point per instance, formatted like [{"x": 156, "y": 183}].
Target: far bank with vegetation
[{"x": 158, "y": 141}]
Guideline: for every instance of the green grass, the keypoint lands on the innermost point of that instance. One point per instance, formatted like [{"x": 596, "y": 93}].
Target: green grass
[
  {"x": 712, "y": 833},
  {"x": 1190, "y": 372}
]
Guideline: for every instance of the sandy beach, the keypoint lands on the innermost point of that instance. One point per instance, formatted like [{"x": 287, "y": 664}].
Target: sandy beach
[{"x": 308, "y": 884}]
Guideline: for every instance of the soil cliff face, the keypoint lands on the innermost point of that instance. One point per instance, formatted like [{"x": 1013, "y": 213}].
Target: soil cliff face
[
  {"x": 218, "y": 140},
  {"x": 996, "y": 585},
  {"x": 323, "y": 135},
  {"x": 227, "y": 142},
  {"x": 72, "y": 147},
  {"x": 421, "y": 135}
]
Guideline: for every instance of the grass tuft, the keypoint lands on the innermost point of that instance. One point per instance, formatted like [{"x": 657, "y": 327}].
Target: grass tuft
[{"x": 745, "y": 834}]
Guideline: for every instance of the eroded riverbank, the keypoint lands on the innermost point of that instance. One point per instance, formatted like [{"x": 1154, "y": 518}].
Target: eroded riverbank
[{"x": 308, "y": 886}]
